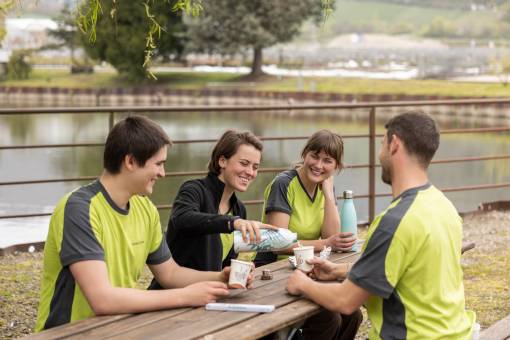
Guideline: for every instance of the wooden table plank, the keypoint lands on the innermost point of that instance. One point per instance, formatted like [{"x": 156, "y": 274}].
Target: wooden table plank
[
  {"x": 498, "y": 331},
  {"x": 267, "y": 323},
  {"x": 135, "y": 321},
  {"x": 77, "y": 327},
  {"x": 139, "y": 320},
  {"x": 200, "y": 322},
  {"x": 107, "y": 326},
  {"x": 264, "y": 324},
  {"x": 124, "y": 325}
]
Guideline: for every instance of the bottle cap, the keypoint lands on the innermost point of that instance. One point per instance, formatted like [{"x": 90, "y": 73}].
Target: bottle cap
[{"x": 348, "y": 194}]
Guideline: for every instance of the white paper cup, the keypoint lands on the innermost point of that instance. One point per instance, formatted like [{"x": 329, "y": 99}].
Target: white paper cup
[
  {"x": 302, "y": 254},
  {"x": 239, "y": 272}
]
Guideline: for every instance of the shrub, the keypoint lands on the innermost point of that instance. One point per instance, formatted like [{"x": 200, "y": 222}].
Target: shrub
[{"x": 18, "y": 66}]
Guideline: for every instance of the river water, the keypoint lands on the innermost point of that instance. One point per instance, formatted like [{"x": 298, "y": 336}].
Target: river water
[{"x": 26, "y": 164}]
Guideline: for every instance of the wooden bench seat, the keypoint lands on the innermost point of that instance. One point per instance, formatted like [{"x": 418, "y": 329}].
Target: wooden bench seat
[{"x": 498, "y": 331}]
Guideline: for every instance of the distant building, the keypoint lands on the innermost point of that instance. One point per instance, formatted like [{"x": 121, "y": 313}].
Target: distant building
[{"x": 27, "y": 33}]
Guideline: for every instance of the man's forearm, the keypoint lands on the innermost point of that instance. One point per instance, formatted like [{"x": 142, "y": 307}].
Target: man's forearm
[
  {"x": 331, "y": 296},
  {"x": 341, "y": 270},
  {"x": 129, "y": 300},
  {"x": 182, "y": 277}
]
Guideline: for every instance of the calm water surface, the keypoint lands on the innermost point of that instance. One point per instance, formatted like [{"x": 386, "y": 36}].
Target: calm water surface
[{"x": 70, "y": 162}]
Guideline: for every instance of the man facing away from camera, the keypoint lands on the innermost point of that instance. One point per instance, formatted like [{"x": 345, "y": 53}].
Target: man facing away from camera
[
  {"x": 409, "y": 275},
  {"x": 102, "y": 235}
]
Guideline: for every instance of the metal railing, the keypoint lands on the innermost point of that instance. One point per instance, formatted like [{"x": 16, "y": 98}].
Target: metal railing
[{"x": 371, "y": 135}]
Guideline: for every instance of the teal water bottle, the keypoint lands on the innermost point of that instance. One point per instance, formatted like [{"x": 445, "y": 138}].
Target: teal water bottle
[{"x": 348, "y": 217}]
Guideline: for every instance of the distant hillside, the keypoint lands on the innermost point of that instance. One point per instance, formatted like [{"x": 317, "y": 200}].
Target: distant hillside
[
  {"x": 433, "y": 18},
  {"x": 452, "y": 4}
]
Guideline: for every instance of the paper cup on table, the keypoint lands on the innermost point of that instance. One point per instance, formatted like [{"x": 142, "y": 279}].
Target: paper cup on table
[
  {"x": 302, "y": 254},
  {"x": 239, "y": 272}
]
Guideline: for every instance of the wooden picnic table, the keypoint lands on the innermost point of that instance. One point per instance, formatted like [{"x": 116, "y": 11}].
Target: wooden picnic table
[{"x": 197, "y": 323}]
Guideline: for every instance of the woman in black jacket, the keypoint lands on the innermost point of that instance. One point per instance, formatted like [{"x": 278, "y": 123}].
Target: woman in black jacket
[{"x": 206, "y": 211}]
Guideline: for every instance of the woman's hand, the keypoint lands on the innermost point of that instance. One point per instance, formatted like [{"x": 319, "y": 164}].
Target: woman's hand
[
  {"x": 341, "y": 241},
  {"x": 252, "y": 228}
]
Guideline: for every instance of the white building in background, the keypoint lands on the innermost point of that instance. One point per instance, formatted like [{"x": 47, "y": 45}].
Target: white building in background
[{"x": 27, "y": 33}]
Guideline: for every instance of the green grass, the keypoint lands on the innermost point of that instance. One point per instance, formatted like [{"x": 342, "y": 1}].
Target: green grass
[
  {"x": 371, "y": 86},
  {"x": 484, "y": 291},
  {"x": 61, "y": 78},
  {"x": 267, "y": 83},
  {"x": 58, "y": 78},
  {"x": 195, "y": 80}
]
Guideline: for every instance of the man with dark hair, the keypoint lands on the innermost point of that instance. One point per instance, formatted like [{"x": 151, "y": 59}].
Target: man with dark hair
[
  {"x": 409, "y": 275},
  {"x": 102, "y": 234}
]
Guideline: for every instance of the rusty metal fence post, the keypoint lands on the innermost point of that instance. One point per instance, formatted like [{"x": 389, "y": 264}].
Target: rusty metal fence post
[
  {"x": 111, "y": 120},
  {"x": 371, "y": 165}
]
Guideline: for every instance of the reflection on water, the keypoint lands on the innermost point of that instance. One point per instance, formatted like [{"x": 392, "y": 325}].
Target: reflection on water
[{"x": 28, "y": 164}]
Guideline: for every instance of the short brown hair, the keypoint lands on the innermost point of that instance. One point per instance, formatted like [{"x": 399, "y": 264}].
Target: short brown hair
[
  {"x": 329, "y": 142},
  {"x": 227, "y": 146},
  {"x": 419, "y": 133},
  {"x": 135, "y": 135}
]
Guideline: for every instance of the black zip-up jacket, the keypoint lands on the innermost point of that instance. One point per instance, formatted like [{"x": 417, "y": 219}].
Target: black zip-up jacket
[{"x": 194, "y": 228}]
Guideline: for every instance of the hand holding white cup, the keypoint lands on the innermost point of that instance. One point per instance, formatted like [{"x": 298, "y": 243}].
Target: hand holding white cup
[
  {"x": 239, "y": 272},
  {"x": 302, "y": 254}
]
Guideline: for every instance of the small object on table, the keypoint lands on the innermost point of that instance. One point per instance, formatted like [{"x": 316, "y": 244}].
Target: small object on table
[
  {"x": 325, "y": 253},
  {"x": 292, "y": 261},
  {"x": 266, "y": 274},
  {"x": 240, "y": 307}
]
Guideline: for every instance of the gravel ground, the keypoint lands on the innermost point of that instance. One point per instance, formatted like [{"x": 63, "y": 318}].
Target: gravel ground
[{"x": 486, "y": 278}]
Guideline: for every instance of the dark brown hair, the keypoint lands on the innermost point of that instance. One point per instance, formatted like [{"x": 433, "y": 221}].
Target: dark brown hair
[
  {"x": 135, "y": 135},
  {"x": 227, "y": 146},
  {"x": 419, "y": 133},
  {"x": 329, "y": 142}
]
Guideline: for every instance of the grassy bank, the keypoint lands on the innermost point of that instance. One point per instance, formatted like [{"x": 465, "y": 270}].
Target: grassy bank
[
  {"x": 486, "y": 279},
  {"x": 62, "y": 78},
  {"x": 195, "y": 80}
]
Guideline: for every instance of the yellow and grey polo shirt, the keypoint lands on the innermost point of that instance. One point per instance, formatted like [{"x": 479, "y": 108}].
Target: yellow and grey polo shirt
[
  {"x": 287, "y": 194},
  {"x": 88, "y": 225},
  {"x": 411, "y": 265}
]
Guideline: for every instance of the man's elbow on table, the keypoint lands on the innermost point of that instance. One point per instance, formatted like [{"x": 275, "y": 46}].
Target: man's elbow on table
[
  {"x": 100, "y": 303},
  {"x": 349, "y": 298},
  {"x": 92, "y": 278},
  {"x": 343, "y": 306},
  {"x": 101, "y": 308}
]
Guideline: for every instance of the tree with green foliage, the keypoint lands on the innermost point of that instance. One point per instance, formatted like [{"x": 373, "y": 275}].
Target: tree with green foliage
[
  {"x": 121, "y": 38},
  {"x": 232, "y": 26},
  {"x": 439, "y": 28},
  {"x": 18, "y": 66},
  {"x": 92, "y": 12},
  {"x": 67, "y": 35},
  {"x": 2, "y": 27}
]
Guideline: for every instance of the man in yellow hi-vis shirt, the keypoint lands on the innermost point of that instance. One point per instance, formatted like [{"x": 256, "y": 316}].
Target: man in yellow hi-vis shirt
[
  {"x": 103, "y": 234},
  {"x": 409, "y": 275}
]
